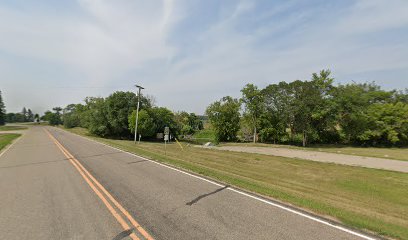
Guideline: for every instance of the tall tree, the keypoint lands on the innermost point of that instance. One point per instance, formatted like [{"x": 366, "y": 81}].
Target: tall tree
[
  {"x": 145, "y": 125},
  {"x": 2, "y": 111},
  {"x": 24, "y": 112},
  {"x": 188, "y": 123},
  {"x": 30, "y": 116},
  {"x": 53, "y": 118},
  {"x": 352, "y": 102},
  {"x": 253, "y": 106},
  {"x": 37, "y": 118},
  {"x": 119, "y": 106},
  {"x": 224, "y": 117},
  {"x": 277, "y": 115},
  {"x": 387, "y": 124},
  {"x": 71, "y": 116},
  {"x": 154, "y": 120}
]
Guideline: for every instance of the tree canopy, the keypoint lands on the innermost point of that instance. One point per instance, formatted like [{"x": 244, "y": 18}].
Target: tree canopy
[
  {"x": 317, "y": 111},
  {"x": 2, "y": 111},
  {"x": 225, "y": 117}
]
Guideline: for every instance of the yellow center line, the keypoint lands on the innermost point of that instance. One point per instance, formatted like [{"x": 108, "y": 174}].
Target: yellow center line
[{"x": 112, "y": 210}]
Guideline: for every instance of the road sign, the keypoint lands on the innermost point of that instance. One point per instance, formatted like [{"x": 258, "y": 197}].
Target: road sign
[
  {"x": 166, "y": 130},
  {"x": 166, "y": 137}
]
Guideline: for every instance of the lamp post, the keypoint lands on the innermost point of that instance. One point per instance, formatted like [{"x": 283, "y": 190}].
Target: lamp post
[{"x": 137, "y": 111}]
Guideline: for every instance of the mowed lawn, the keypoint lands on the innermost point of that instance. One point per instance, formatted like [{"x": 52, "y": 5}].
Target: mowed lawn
[
  {"x": 374, "y": 200},
  {"x": 380, "y": 152},
  {"x": 11, "y": 128},
  {"x": 6, "y": 139}
]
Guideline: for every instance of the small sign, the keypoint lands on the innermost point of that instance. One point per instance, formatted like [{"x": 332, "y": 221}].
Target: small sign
[
  {"x": 166, "y": 137},
  {"x": 167, "y": 131}
]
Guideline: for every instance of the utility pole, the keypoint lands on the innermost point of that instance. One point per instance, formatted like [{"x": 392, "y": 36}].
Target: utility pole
[{"x": 137, "y": 111}]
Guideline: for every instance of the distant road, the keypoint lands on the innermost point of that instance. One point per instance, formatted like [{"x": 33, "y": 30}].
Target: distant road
[
  {"x": 369, "y": 162},
  {"x": 57, "y": 185}
]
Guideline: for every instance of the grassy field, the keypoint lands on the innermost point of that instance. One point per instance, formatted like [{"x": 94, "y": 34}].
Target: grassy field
[
  {"x": 11, "y": 128},
  {"x": 369, "y": 199},
  {"x": 380, "y": 152},
  {"x": 6, "y": 139},
  {"x": 204, "y": 136}
]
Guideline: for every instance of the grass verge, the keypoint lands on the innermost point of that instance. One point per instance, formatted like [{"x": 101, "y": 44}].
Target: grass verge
[
  {"x": 380, "y": 152},
  {"x": 367, "y": 199},
  {"x": 7, "y": 138},
  {"x": 11, "y": 128}
]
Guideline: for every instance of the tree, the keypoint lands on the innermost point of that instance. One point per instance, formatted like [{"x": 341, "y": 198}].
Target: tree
[
  {"x": 57, "y": 117},
  {"x": 24, "y": 112},
  {"x": 302, "y": 105},
  {"x": 152, "y": 121},
  {"x": 30, "y": 116},
  {"x": 352, "y": 102},
  {"x": 278, "y": 113},
  {"x": 312, "y": 109},
  {"x": 2, "y": 111},
  {"x": 224, "y": 117},
  {"x": 70, "y": 117},
  {"x": 37, "y": 118},
  {"x": 188, "y": 123},
  {"x": 253, "y": 106},
  {"x": 19, "y": 117},
  {"x": 52, "y": 118},
  {"x": 163, "y": 117},
  {"x": 146, "y": 126},
  {"x": 119, "y": 106},
  {"x": 324, "y": 110},
  {"x": 387, "y": 124},
  {"x": 97, "y": 116},
  {"x": 10, "y": 117}
]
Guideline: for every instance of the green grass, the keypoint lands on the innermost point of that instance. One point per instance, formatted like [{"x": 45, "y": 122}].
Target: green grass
[
  {"x": 11, "y": 128},
  {"x": 202, "y": 137},
  {"x": 35, "y": 123},
  {"x": 205, "y": 133},
  {"x": 380, "y": 152},
  {"x": 7, "y": 138},
  {"x": 368, "y": 199}
]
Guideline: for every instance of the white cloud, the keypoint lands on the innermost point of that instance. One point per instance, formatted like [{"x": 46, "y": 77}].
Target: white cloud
[{"x": 116, "y": 42}]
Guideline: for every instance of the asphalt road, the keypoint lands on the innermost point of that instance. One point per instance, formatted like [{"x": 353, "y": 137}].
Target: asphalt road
[{"x": 58, "y": 185}]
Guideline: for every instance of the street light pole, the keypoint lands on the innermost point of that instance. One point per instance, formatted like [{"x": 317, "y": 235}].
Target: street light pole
[{"x": 137, "y": 111}]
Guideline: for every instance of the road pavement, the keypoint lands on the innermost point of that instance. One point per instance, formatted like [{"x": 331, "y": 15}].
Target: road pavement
[
  {"x": 43, "y": 197},
  {"x": 50, "y": 180}
]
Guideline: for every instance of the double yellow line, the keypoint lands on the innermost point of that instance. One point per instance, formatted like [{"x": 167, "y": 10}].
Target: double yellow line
[{"x": 97, "y": 188}]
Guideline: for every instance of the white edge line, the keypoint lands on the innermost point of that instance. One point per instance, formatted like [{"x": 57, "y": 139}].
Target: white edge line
[
  {"x": 10, "y": 145},
  {"x": 238, "y": 191}
]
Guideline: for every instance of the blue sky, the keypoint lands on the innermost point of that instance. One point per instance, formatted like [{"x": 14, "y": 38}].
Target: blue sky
[{"x": 188, "y": 53}]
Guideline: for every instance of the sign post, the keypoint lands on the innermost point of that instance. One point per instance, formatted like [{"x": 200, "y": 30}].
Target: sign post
[{"x": 166, "y": 138}]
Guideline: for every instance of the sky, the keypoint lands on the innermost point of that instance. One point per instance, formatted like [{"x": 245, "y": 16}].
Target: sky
[{"x": 189, "y": 53}]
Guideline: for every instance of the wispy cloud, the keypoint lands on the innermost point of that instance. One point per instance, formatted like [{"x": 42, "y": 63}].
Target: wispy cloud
[{"x": 189, "y": 53}]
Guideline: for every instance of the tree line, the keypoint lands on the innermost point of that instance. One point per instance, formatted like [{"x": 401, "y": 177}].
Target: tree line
[
  {"x": 313, "y": 111},
  {"x": 2, "y": 111},
  {"x": 26, "y": 115},
  {"x": 300, "y": 112},
  {"x": 115, "y": 115}
]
